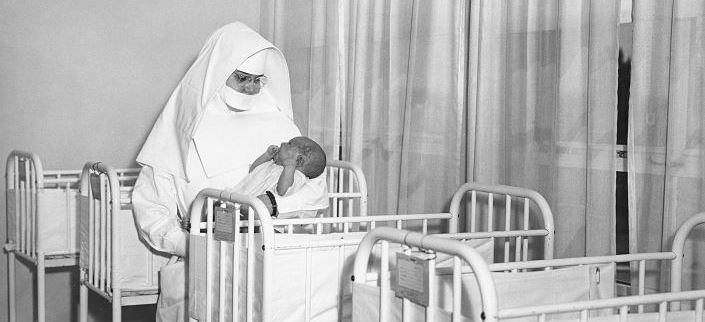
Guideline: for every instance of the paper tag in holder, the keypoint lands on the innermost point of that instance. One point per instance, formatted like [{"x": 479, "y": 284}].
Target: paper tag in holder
[
  {"x": 412, "y": 277},
  {"x": 224, "y": 229}
]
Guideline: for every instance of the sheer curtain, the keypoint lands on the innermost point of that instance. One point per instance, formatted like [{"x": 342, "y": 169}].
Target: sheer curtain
[
  {"x": 386, "y": 85},
  {"x": 666, "y": 135},
  {"x": 382, "y": 84},
  {"x": 542, "y": 110}
]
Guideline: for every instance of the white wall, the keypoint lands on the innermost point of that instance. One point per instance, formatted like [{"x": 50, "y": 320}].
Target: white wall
[{"x": 84, "y": 80}]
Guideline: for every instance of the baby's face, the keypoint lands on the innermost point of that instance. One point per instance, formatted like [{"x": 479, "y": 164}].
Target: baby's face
[{"x": 289, "y": 152}]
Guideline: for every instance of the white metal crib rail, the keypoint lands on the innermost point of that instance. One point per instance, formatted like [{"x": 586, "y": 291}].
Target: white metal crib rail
[
  {"x": 621, "y": 304},
  {"x": 256, "y": 210},
  {"x": 100, "y": 184},
  {"x": 25, "y": 177},
  {"x": 624, "y": 307},
  {"x": 675, "y": 257},
  {"x": 204, "y": 226},
  {"x": 461, "y": 253},
  {"x": 347, "y": 189},
  {"x": 104, "y": 192},
  {"x": 26, "y": 182},
  {"x": 465, "y": 201},
  {"x": 267, "y": 228}
]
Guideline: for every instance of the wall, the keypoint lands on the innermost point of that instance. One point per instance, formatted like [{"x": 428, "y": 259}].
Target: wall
[{"x": 84, "y": 80}]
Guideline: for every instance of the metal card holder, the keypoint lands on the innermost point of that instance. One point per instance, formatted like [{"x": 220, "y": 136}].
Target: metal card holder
[
  {"x": 224, "y": 221},
  {"x": 413, "y": 277}
]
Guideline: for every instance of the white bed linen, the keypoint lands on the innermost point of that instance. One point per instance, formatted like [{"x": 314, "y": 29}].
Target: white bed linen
[
  {"x": 367, "y": 297},
  {"x": 520, "y": 289},
  {"x": 56, "y": 229},
  {"x": 682, "y": 316},
  {"x": 137, "y": 265}
]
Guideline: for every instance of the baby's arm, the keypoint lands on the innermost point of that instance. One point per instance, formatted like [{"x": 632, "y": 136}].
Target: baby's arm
[
  {"x": 286, "y": 179},
  {"x": 266, "y": 156},
  {"x": 289, "y": 160}
]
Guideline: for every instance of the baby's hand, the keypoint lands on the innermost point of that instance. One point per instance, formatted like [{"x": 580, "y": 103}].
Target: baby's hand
[
  {"x": 272, "y": 150},
  {"x": 287, "y": 156}
]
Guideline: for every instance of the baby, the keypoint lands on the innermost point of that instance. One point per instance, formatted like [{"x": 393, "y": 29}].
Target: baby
[{"x": 284, "y": 168}]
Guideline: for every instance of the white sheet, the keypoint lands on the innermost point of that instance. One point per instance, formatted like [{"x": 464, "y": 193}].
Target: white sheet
[
  {"x": 56, "y": 229},
  {"x": 367, "y": 296},
  {"x": 519, "y": 289},
  {"x": 138, "y": 266},
  {"x": 330, "y": 267},
  {"x": 682, "y": 316}
]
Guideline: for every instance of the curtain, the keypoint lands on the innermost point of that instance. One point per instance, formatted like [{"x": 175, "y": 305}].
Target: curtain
[
  {"x": 424, "y": 98},
  {"x": 542, "y": 110},
  {"x": 666, "y": 137},
  {"x": 382, "y": 84}
]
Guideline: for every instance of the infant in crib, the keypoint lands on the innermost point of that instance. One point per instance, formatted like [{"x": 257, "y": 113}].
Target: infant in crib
[{"x": 284, "y": 169}]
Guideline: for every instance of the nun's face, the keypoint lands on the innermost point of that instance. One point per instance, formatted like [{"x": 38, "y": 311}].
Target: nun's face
[{"x": 246, "y": 83}]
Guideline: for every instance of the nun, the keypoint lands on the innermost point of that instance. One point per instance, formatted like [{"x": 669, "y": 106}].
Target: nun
[{"x": 233, "y": 102}]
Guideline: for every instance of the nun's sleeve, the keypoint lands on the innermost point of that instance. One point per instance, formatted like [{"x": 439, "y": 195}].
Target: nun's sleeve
[
  {"x": 155, "y": 209},
  {"x": 313, "y": 195}
]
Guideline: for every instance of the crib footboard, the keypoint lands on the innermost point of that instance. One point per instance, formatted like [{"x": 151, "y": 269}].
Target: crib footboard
[
  {"x": 417, "y": 289},
  {"x": 114, "y": 261},
  {"x": 483, "y": 208},
  {"x": 41, "y": 210}
]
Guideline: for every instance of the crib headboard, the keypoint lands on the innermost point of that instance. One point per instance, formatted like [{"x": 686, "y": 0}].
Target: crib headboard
[{"x": 491, "y": 208}]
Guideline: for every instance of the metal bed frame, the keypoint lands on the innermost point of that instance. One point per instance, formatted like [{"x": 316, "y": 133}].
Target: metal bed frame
[
  {"x": 104, "y": 193},
  {"x": 264, "y": 228},
  {"x": 623, "y": 306},
  {"x": 27, "y": 184}
]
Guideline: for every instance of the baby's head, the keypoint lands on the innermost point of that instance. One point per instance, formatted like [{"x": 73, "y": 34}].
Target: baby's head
[{"x": 310, "y": 159}]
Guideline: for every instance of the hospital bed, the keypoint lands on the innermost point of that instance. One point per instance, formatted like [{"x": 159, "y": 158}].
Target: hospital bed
[
  {"x": 41, "y": 221},
  {"x": 258, "y": 269},
  {"x": 114, "y": 262},
  {"x": 518, "y": 291}
]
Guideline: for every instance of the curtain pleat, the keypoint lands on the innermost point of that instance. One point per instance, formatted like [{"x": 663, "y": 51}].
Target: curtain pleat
[
  {"x": 542, "y": 110},
  {"x": 666, "y": 140},
  {"x": 429, "y": 94},
  {"x": 382, "y": 84},
  {"x": 307, "y": 33}
]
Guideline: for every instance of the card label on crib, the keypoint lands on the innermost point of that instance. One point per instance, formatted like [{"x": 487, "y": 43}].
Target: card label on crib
[
  {"x": 224, "y": 225},
  {"x": 412, "y": 274}
]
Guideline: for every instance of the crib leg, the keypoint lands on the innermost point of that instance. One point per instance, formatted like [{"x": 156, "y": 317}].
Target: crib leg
[
  {"x": 83, "y": 302},
  {"x": 40, "y": 288},
  {"x": 11, "y": 287},
  {"x": 117, "y": 306}
]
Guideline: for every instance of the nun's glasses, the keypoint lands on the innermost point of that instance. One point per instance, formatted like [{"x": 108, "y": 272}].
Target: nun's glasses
[{"x": 245, "y": 78}]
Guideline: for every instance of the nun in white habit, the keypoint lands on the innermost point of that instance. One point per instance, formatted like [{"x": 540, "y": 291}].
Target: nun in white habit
[{"x": 233, "y": 103}]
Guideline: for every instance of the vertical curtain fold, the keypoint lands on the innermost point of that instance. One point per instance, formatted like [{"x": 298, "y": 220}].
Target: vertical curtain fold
[
  {"x": 387, "y": 84},
  {"x": 666, "y": 140},
  {"x": 542, "y": 107},
  {"x": 433, "y": 93},
  {"x": 307, "y": 33}
]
